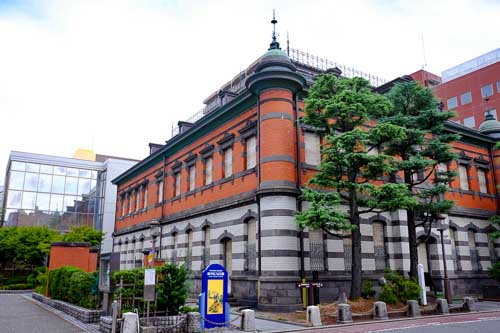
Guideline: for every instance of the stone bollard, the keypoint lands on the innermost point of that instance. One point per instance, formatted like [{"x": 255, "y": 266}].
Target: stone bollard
[
  {"x": 130, "y": 322},
  {"x": 313, "y": 315},
  {"x": 442, "y": 306},
  {"x": 469, "y": 304},
  {"x": 247, "y": 323},
  {"x": 380, "y": 311},
  {"x": 413, "y": 309},
  {"x": 193, "y": 322},
  {"x": 344, "y": 314}
]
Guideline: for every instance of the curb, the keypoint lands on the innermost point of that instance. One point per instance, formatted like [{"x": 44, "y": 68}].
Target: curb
[{"x": 383, "y": 321}]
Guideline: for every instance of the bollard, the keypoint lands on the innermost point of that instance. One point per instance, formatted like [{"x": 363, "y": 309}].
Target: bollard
[
  {"x": 114, "y": 315},
  {"x": 380, "y": 311},
  {"x": 313, "y": 315},
  {"x": 227, "y": 309},
  {"x": 129, "y": 324},
  {"x": 413, "y": 309},
  {"x": 247, "y": 323},
  {"x": 469, "y": 304},
  {"x": 193, "y": 324},
  {"x": 201, "y": 309},
  {"x": 442, "y": 306},
  {"x": 344, "y": 314}
]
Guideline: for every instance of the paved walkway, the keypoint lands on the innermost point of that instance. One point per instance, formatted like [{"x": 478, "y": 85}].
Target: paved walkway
[{"x": 18, "y": 314}]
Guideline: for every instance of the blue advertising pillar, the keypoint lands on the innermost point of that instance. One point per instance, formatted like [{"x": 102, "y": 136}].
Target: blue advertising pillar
[{"x": 214, "y": 286}]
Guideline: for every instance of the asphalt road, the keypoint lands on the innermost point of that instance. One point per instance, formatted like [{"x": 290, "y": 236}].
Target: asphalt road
[{"x": 20, "y": 315}]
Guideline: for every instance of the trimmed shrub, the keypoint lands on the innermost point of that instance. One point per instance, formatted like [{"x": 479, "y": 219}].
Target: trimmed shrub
[
  {"x": 398, "y": 288},
  {"x": 73, "y": 285},
  {"x": 367, "y": 290},
  {"x": 133, "y": 288},
  {"x": 172, "y": 288},
  {"x": 59, "y": 282},
  {"x": 17, "y": 286}
]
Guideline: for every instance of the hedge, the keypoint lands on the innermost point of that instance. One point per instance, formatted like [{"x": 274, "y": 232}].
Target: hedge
[{"x": 73, "y": 285}]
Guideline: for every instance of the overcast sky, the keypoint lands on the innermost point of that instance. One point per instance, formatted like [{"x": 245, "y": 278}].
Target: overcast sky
[{"x": 115, "y": 75}]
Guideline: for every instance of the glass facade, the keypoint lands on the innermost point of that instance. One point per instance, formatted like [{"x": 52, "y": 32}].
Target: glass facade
[{"x": 57, "y": 196}]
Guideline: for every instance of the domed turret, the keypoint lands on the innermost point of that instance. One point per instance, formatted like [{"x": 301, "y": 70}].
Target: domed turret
[{"x": 490, "y": 126}]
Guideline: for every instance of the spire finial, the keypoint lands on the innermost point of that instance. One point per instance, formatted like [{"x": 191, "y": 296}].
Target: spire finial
[{"x": 274, "y": 44}]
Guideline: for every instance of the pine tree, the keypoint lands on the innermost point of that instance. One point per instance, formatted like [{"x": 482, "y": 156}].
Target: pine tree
[
  {"x": 421, "y": 155},
  {"x": 351, "y": 169}
]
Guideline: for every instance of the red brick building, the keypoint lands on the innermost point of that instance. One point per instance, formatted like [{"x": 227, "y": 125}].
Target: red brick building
[{"x": 226, "y": 188}]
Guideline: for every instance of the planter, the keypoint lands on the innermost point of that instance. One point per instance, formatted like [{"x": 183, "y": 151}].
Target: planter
[{"x": 82, "y": 314}]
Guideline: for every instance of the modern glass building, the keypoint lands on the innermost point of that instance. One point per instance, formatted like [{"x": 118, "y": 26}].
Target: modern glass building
[
  {"x": 54, "y": 191},
  {"x": 62, "y": 192}
]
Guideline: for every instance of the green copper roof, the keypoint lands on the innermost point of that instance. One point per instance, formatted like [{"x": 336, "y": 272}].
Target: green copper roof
[{"x": 490, "y": 125}]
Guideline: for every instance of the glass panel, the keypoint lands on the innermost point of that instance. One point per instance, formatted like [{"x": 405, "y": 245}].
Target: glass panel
[
  {"x": 72, "y": 172},
  {"x": 59, "y": 170},
  {"x": 93, "y": 190},
  {"x": 487, "y": 90},
  {"x": 83, "y": 186},
  {"x": 464, "y": 182},
  {"x": 251, "y": 150},
  {"x": 58, "y": 184},
  {"x": 31, "y": 182},
  {"x": 69, "y": 203},
  {"x": 16, "y": 180},
  {"x": 14, "y": 199},
  {"x": 312, "y": 148},
  {"x": 470, "y": 121},
  {"x": 43, "y": 201},
  {"x": 452, "y": 103},
  {"x": 71, "y": 185},
  {"x": 29, "y": 200},
  {"x": 46, "y": 168},
  {"x": 228, "y": 162},
  {"x": 19, "y": 166},
  {"x": 11, "y": 216},
  {"x": 177, "y": 183},
  {"x": 33, "y": 167},
  {"x": 192, "y": 173},
  {"x": 466, "y": 98},
  {"x": 94, "y": 174},
  {"x": 481, "y": 175},
  {"x": 56, "y": 202},
  {"x": 160, "y": 191},
  {"x": 84, "y": 173},
  {"x": 208, "y": 171},
  {"x": 498, "y": 86},
  {"x": 44, "y": 183}
]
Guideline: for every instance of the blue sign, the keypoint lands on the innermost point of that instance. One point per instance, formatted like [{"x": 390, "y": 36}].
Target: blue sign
[{"x": 214, "y": 286}]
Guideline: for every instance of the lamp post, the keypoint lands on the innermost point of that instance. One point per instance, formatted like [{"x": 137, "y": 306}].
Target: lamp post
[{"x": 441, "y": 228}]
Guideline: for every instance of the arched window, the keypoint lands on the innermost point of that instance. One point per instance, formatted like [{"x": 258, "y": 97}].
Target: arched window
[
  {"x": 474, "y": 256},
  {"x": 454, "y": 249},
  {"x": 174, "y": 247},
  {"x": 206, "y": 246},
  {"x": 491, "y": 248},
  {"x": 347, "y": 253},
  {"x": 251, "y": 246},
  {"x": 379, "y": 246},
  {"x": 316, "y": 250},
  {"x": 227, "y": 262},
  {"x": 189, "y": 250}
]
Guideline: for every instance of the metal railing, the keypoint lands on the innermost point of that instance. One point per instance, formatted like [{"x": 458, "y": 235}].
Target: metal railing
[{"x": 324, "y": 64}]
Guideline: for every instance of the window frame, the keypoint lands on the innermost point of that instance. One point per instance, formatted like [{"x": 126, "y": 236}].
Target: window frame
[
  {"x": 490, "y": 85},
  {"x": 448, "y": 103}
]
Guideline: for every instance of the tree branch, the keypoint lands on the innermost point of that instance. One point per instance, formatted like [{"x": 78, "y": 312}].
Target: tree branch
[
  {"x": 334, "y": 234},
  {"x": 426, "y": 177}
]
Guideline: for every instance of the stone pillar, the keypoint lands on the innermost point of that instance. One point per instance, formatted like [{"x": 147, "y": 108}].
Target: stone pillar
[
  {"x": 469, "y": 304},
  {"x": 380, "y": 311},
  {"x": 193, "y": 324},
  {"x": 344, "y": 314},
  {"x": 442, "y": 306},
  {"x": 413, "y": 309},
  {"x": 130, "y": 322},
  {"x": 247, "y": 323},
  {"x": 313, "y": 315}
]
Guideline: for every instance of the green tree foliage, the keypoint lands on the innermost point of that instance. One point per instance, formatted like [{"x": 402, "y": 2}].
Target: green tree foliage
[
  {"x": 172, "y": 287},
  {"x": 84, "y": 234},
  {"x": 349, "y": 172},
  {"x": 133, "y": 288},
  {"x": 494, "y": 271},
  {"x": 423, "y": 146},
  {"x": 25, "y": 246},
  {"x": 398, "y": 289}
]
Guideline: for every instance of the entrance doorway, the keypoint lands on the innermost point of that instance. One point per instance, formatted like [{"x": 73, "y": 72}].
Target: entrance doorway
[{"x": 227, "y": 245}]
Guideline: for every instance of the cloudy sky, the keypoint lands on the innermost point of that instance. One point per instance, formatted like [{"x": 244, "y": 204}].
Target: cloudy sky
[{"x": 115, "y": 75}]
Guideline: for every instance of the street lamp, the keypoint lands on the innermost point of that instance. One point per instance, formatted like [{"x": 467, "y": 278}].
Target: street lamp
[{"x": 441, "y": 228}]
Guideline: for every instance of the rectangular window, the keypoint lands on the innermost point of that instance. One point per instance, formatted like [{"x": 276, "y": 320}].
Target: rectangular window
[
  {"x": 481, "y": 175},
  {"x": 498, "y": 86},
  {"x": 312, "y": 148},
  {"x": 470, "y": 121},
  {"x": 124, "y": 205},
  {"x": 466, "y": 98},
  {"x": 130, "y": 203},
  {"x": 177, "y": 186},
  {"x": 464, "y": 181},
  {"x": 137, "y": 200},
  {"x": 160, "y": 191},
  {"x": 228, "y": 162},
  {"x": 145, "y": 197},
  {"x": 208, "y": 170},
  {"x": 493, "y": 112},
  {"x": 487, "y": 90},
  {"x": 452, "y": 103},
  {"x": 251, "y": 147},
  {"x": 192, "y": 177}
]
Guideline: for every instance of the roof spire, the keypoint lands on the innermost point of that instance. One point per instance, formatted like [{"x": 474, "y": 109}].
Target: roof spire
[{"x": 274, "y": 44}]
